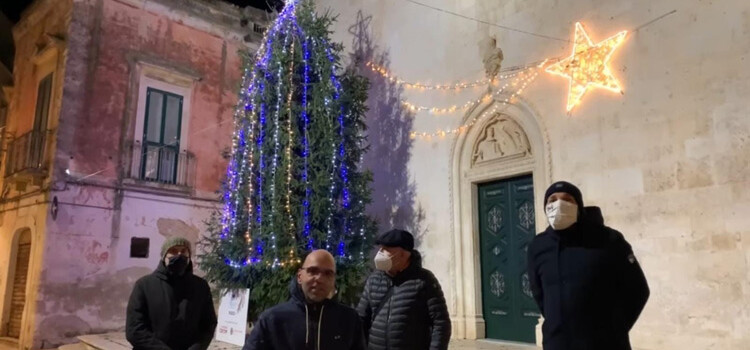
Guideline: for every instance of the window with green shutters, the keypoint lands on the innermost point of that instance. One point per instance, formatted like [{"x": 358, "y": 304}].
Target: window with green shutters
[{"x": 160, "y": 153}]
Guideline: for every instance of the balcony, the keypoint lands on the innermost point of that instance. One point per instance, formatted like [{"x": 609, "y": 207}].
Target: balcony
[
  {"x": 162, "y": 166},
  {"x": 27, "y": 158}
]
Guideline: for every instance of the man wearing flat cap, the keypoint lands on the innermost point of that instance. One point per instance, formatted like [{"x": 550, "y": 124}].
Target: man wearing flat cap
[
  {"x": 402, "y": 306},
  {"x": 584, "y": 277},
  {"x": 171, "y": 309}
]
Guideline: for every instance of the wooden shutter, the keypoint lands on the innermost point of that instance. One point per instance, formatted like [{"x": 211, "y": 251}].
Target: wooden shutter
[{"x": 20, "y": 277}]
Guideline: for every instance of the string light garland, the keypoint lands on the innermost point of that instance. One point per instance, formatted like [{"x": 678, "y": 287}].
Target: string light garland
[
  {"x": 290, "y": 99},
  {"x": 276, "y": 146},
  {"x": 332, "y": 173},
  {"x": 421, "y": 86},
  {"x": 239, "y": 167},
  {"x": 588, "y": 66},
  {"x": 343, "y": 171},
  {"x": 382, "y": 71},
  {"x": 486, "y": 97},
  {"x": 522, "y": 81},
  {"x": 306, "y": 145},
  {"x": 446, "y": 110},
  {"x": 288, "y": 154}
]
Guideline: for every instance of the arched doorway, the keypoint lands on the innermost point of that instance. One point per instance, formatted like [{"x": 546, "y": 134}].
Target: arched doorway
[
  {"x": 501, "y": 161},
  {"x": 18, "y": 278}
]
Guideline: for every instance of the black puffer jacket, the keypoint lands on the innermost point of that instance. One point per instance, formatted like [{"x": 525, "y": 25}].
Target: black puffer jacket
[
  {"x": 168, "y": 312},
  {"x": 298, "y": 325},
  {"x": 415, "y": 317},
  {"x": 588, "y": 286}
]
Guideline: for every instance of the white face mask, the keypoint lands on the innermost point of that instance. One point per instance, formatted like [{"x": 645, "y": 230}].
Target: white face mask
[
  {"x": 561, "y": 214},
  {"x": 383, "y": 261}
]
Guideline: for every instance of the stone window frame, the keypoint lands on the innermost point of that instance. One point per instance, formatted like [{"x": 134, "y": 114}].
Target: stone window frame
[{"x": 148, "y": 74}]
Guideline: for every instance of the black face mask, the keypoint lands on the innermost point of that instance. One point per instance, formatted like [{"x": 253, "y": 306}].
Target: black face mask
[{"x": 177, "y": 265}]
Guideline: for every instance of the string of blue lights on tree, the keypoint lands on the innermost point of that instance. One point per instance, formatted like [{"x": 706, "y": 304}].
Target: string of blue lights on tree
[{"x": 298, "y": 128}]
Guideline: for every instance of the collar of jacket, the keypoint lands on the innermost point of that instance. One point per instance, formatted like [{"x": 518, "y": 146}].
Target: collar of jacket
[
  {"x": 163, "y": 273},
  {"x": 296, "y": 295},
  {"x": 583, "y": 230},
  {"x": 414, "y": 266}
]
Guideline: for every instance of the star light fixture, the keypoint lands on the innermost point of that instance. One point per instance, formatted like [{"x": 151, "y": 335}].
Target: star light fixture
[{"x": 588, "y": 66}]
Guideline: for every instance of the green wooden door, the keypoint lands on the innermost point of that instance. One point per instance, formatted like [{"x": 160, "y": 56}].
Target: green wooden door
[{"x": 506, "y": 225}]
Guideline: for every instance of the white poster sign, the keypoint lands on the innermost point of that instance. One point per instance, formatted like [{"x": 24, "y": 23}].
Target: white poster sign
[{"x": 233, "y": 316}]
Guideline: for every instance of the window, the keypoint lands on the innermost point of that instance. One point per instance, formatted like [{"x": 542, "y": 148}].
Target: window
[
  {"x": 3, "y": 116},
  {"x": 3, "y": 122},
  {"x": 28, "y": 151},
  {"x": 44, "y": 92},
  {"x": 257, "y": 28},
  {"x": 139, "y": 247},
  {"x": 159, "y": 149},
  {"x": 161, "y": 136},
  {"x": 38, "y": 135}
]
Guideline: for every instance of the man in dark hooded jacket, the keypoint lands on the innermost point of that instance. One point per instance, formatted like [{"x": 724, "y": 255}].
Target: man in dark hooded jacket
[
  {"x": 310, "y": 320},
  {"x": 584, "y": 277},
  {"x": 171, "y": 309}
]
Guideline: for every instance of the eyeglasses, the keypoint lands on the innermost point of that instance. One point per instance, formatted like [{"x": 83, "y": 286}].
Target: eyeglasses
[{"x": 317, "y": 271}]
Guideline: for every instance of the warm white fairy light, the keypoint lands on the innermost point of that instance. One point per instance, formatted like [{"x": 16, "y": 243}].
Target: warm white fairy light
[
  {"x": 248, "y": 156},
  {"x": 446, "y": 110},
  {"x": 451, "y": 109},
  {"x": 288, "y": 153},
  {"x": 332, "y": 175},
  {"x": 228, "y": 219},
  {"x": 422, "y": 86},
  {"x": 522, "y": 81},
  {"x": 274, "y": 162}
]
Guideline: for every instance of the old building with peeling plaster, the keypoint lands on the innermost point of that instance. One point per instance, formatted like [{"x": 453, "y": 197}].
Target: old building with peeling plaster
[{"x": 117, "y": 114}]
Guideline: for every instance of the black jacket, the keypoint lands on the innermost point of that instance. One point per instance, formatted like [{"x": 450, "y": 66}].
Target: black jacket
[
  {"x": 170, "y": 312},
  {"x": 415, "y": 316},
  {"x": 588, "y": 285},
  {"x": 297, "y": 325}
]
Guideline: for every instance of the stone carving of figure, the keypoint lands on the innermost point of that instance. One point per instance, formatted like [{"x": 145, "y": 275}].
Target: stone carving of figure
[
  {"x": 503, "y": 138},
  {"x": 492, "y": 56},
  {"x": 487, "y": 148}
]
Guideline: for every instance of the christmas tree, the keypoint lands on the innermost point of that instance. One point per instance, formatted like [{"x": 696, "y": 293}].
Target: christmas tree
[{"x": 293, "y": 181}]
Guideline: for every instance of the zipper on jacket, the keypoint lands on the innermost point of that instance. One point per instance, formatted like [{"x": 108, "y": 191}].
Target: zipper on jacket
[
  {"x": 388, "y": 320},
  {"x": 320, "y": 324}
]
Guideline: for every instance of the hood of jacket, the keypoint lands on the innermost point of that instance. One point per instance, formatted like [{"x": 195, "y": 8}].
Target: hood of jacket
[{"x": 163, "y": 273}]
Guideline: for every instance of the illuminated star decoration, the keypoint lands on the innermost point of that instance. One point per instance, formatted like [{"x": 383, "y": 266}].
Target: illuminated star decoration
[{"x": 588, "y": 66}]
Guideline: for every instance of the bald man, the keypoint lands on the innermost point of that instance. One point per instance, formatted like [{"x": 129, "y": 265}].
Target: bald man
[{"x": 310, "y": 320}]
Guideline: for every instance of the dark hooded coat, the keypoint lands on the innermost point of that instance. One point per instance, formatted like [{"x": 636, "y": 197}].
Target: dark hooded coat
[
  {"x": 299, "y": 325},
  {"x": 170, "y": 312},
  {"x": 587, "y": 284}
]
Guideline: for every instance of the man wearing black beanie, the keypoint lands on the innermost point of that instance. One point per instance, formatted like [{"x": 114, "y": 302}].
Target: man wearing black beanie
[{"x": 584, "y": 277}]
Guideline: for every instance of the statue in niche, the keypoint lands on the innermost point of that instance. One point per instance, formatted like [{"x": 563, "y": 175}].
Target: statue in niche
[
  {"x": 492, "y": 56},
  {"x": 500, "y": 139}
]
